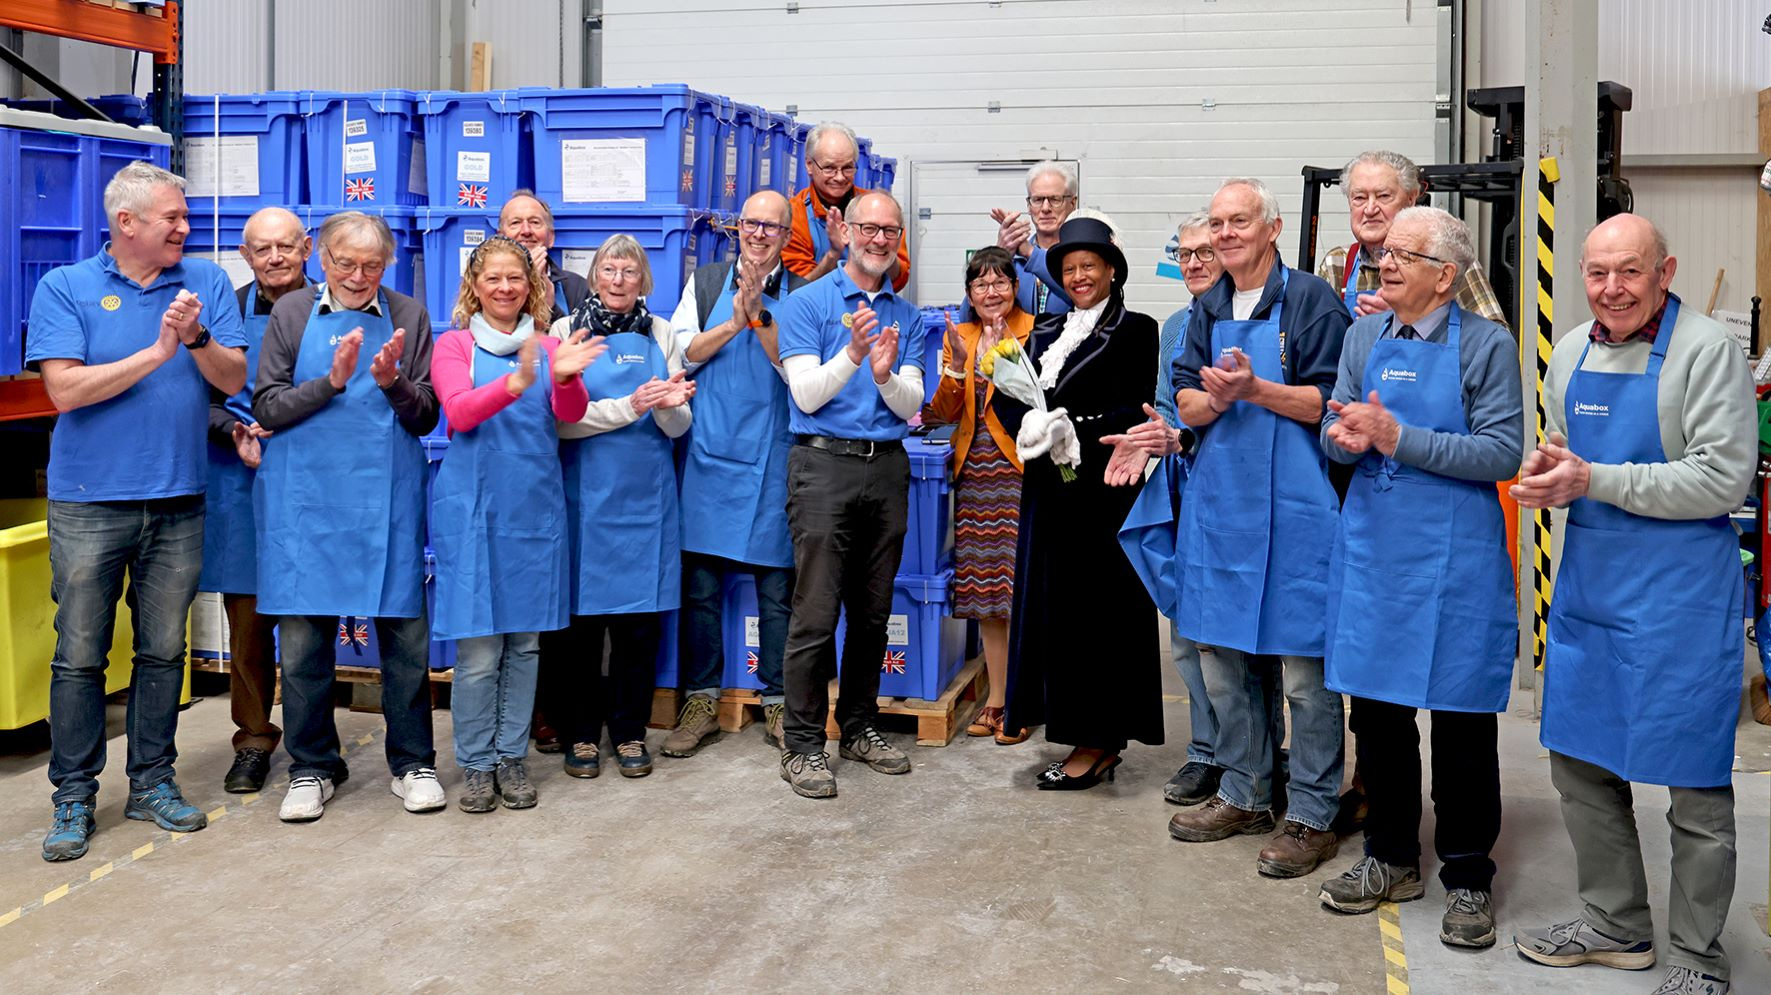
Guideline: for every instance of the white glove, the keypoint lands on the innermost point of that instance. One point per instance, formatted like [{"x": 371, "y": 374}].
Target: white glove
[{"x": 1049, "y": 431}]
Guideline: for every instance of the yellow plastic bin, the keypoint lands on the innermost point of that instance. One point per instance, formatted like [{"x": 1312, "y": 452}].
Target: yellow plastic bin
[{"x": 27, "y": 617}]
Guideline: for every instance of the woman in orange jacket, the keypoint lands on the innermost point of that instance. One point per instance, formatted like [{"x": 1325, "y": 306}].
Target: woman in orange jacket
[{"x": 986, "y": 472}]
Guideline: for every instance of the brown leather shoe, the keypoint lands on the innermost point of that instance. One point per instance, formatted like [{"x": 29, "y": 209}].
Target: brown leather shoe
[
  {"x": 1004, "y": 737},
  {"x": 1297, "y": 851},
  {"x": 1218, "y": 820},
  {"x": 989, "y": 721}
]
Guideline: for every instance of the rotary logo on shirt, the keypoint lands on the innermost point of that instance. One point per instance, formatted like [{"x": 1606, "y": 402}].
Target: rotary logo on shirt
[
  {"x": 628, "y": 358},
  {"x": 110, "y": 302},
  {"x": 1392, "y": 374}
]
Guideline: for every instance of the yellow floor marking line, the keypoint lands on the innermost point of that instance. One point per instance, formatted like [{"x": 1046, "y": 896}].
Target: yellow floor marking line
[
  {"x": 1389, "y": 927},
  {"x": 151, "y": 846}
]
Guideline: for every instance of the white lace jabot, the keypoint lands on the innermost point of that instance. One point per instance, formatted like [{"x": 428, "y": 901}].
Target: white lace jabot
[{"x": 1078, "y": 325}]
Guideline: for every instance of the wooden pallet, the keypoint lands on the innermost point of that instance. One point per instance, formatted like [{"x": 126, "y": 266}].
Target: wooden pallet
[{"x": 937, "y": 722}]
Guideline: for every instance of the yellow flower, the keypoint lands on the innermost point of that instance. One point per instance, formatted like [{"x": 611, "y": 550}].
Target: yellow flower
[{"x": 988, "y": 363}]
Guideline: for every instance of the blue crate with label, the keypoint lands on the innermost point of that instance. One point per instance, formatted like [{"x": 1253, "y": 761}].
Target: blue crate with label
[
  {"x": 928, "y": 543},
  {"x": 764, "y": 167},
  {"x": 934, "y": 340},
  {"x": 52, "y": 205},
  {"x": 442, "y": 651},
  {"x": 365, "y": 149},
  {"x": 925, "y": 646},
  {"x": 740, "y": 634},
  {"x": 885, "y": 172},
  {"x": 713, "y": 239},
  {"x": 666, "y": 233},
  {"x": 477, "y": 147},
  {"x": 797, "y": 174},
  {"x": 612, "y": 145},
  {"x": 246, "y": 149},
  {"x": 864, "y": 163}
]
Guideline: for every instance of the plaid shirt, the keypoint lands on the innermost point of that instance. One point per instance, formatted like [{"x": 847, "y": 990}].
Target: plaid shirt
[
  {"x": 1599, "y": 333},
  {"x": 1473, "y": 290}
]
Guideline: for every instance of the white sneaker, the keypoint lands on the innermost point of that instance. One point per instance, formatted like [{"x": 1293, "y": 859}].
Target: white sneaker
[
  {"x": 306, "y": 800},
  {"x": 421, "y": 790}
]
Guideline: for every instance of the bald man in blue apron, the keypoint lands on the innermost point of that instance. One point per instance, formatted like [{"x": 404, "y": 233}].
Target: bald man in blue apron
[{"x": 1653, "y": 443}]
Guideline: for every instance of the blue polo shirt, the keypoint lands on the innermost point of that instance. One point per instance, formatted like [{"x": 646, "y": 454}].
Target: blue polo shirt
[
  {"x": 810, "y": 321},
  {"x": 149, "y": 441}
]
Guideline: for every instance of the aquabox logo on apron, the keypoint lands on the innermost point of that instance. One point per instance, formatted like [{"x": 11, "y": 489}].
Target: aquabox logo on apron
[
  {"x": 629, "y": 358},
  {"x": 1597, "y": 410},
  {"x": 1393, "y": 375}
]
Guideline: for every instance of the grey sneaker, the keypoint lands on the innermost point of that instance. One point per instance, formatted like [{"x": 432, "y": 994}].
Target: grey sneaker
[
  {"x": 870, "y": 748},
  {"x": 699, "y": 721},
  {"x": 480, "y": 794},
  {"x": 1686, "y": 981},
  {"x": 512, "y": 781},
  {"x": 1567, "y": 944},
  {"x": 808, "y": 773},
  {"x": 772, "y": 725},
  {"x": 1371, "y": 882},
  {"x": 1469, "y": 919}
]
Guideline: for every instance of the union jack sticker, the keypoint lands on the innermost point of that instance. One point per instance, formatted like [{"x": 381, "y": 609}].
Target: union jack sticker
[
  {"x": 731, "y": 185},
  {"x": 471, "y": 195},
  {"x": 354, "y": 635},
  {"x": 750, "y": 662},
  {"x": 688, "y": 180},
  {"x": 893, "y": 662},
  {"x": 363, "y": 189}
]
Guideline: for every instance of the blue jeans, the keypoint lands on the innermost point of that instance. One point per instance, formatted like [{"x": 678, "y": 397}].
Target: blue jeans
[
  {"x": 1249, "y": 733},
  {"x": 704, "y": 638},
  {"x": 159, "y": 544},
  {"x": 494, "y": 697},
  {"x": 309, "y": 671},
  {"x": 1202, "y": 747}
]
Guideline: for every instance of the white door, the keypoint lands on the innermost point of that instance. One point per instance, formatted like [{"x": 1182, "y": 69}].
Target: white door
[{"x": 950, "y": 206}]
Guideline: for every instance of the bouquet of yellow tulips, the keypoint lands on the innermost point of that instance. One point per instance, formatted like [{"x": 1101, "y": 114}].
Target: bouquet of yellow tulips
[{"x": 1010, "y": 368}]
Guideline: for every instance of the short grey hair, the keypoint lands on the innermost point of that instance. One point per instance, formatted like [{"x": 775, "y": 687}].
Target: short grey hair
[
  {"x": 1198, "y": 219},
  {"x": 546, "y": 208},
  {"x": 623, "y": 246},
  {"x": 1269, "y": 203},
  {"x": 852, "y": 212},
  {"x": 132, "y": 188},
  {"x": 1052, "y": 167},
  {"x": 1407, "y": 173},
  {"x": 823, "y": 128},
  {"x": 351, "y": 225},
  {"x": 1448, "y": 237}
]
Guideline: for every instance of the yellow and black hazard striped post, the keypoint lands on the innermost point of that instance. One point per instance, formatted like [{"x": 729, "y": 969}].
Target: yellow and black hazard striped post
[{"x": 1547, "y": 175}]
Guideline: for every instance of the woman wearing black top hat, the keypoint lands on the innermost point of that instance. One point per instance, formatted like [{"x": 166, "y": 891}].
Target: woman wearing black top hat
[{"x": 1083, "y": 653}]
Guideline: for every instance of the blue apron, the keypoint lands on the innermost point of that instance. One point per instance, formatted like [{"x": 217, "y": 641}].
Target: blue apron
[
  {"x": 815, "y": 228},
  {"x": 340, "y": 497},
  {"x": 1259, "y": 519},
  {"x": 1420, "y": 587},
  {"x": 497, "y": 516},
  {"x": 621, "y": 503},
  {"x": 734, "y": 492},
  {"x": 230, "y": 541},
  {"x": 1642, "y": 670},
  {"x": 1149, "y": 533},
  {"x": 1350, "y": 285}
]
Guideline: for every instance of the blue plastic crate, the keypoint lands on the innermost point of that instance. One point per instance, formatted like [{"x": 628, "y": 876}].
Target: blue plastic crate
[
  {"x": 765, "y": 165},
  {"x": 365, "y": 149},
  {"x": 52, "y": 204},
  {"x": 121, "y": 108},
  {"x": 925, "y": 646},
  {"x": 676, "y": 129},
  {"x": 246, "y": 149},
  {"x": 477, "y": 149},
  {"x": 435, "y": 448},
  {"x": 864, "y": 163},
  {"x": 442, "y": 651},
  {"x": 928, "y": 544},
  {"x": 797, "y": 174},
  {"x": 885, "y": 172},
  {"x": 664, "y": 232},
  {"x": 740, "y": 637},
  {"x": 934, "y": 339},
  {"x": 736, "y": 129},
  {"x": 713, "y": 238}
]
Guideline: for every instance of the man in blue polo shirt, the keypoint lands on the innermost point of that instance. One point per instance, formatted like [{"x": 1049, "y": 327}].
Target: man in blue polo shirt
[
  {"x": 848, "y": 486},
  {"x": 129, "y": 343}
]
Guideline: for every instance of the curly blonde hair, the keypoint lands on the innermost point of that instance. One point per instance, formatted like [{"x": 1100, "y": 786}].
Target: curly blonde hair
[{"x": 467, "y": 303}]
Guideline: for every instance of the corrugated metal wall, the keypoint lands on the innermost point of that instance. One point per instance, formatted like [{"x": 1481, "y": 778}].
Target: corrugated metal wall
[{"x": 319, "y": 45}]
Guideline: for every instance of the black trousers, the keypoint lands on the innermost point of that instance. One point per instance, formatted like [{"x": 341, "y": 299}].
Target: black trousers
[
  {"x": 578, "y": 699},
  {"x": 848, "y": 515},
  {"x": 1466, "y": 789}
]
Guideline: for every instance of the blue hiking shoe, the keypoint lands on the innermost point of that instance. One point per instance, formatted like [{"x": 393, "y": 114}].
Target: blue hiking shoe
[
  {"x": 163, "y": 805},
  {"x": 70, "y": 831}
]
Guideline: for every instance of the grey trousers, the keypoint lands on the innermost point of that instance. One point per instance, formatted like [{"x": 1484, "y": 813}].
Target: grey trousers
[{"x": 1598, "y": 807}]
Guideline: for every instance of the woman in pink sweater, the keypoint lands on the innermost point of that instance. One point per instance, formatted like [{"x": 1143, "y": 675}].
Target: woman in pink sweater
[{"x": 497, "y": 519}]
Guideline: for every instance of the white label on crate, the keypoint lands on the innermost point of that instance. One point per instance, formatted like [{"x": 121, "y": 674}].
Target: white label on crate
[
  {"x": 359, "y": 157},
  {"x": 689, "y": 141},
  {"x": 752, "y": 631},
  {"x": 603, "y": 169},
  {"x": 731, "y": 159},
  {"x": 209, "y": 627},
  {"x": 417, "y": 178},
  {"x": 231, "y": 264},
  {"x": 473, "y": 166},
  {"x": 473, "y": 236},
  {"x": 577, "y": 261},
  {"x": 473, "y": 129},
  {"x": 466, "y": 254},
  {"x": 356, "y": 128},
  {"x": 898, "y": 630},
  {"x": 221, "y": 167},
  {"x": 763, "y": 168}
]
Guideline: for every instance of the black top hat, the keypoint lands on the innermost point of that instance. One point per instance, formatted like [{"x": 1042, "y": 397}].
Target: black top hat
[{"x": 1091, "y": 234}]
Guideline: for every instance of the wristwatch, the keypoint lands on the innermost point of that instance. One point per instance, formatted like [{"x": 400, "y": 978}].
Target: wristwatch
[
  {"x": 763, "y": 317},
  {"x": 200, "y": 341}
]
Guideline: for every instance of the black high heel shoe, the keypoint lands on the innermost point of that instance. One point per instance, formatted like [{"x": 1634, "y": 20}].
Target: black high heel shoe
[{"x": 1054, "y": 779}]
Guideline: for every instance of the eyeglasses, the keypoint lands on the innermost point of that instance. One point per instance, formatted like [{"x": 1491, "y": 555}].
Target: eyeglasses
[
  {"x": 767, "y": 229},
  {"x": 1204, "y": 254},
  {"x": 264, "y": 251},
  {"x": 983, "y": 286},
  {"x": 369, "y": 268},
  {"x": 1407, "y": 255},
  {"x": 834, "y": 169},
  {"x": 1042, "y": 202},
  {"x": 615, "y": 274},
  {"x": 870, "y": 232}
]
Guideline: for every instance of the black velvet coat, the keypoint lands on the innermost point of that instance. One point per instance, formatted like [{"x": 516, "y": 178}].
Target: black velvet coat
[{"x": 1084, "y": 655}]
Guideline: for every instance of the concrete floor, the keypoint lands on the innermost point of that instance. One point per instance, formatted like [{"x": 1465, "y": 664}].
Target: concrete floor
[{"x": 711, "y": 875}]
